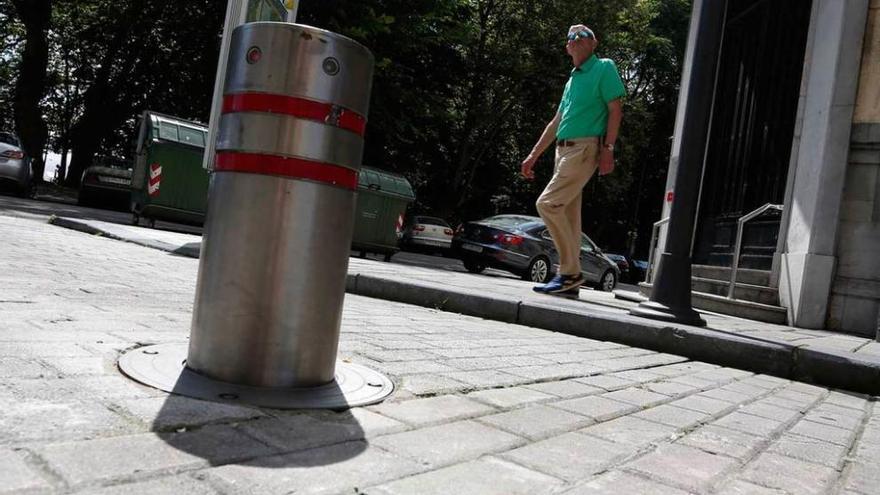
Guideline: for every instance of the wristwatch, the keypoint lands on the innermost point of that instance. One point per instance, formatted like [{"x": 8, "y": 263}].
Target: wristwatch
[{"x": 609, "y": 147}]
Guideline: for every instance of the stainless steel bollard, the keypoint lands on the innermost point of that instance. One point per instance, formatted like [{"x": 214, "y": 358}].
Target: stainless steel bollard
[{"x": 274, "y": 257}]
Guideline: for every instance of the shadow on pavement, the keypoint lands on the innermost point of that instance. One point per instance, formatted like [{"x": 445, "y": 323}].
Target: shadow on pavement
[{"x": 225, "y": 433}]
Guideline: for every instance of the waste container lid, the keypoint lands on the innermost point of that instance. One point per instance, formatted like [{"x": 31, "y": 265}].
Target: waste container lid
[
  {"x": 176, "y": 130},
  {"x": 385, "y": 182}
]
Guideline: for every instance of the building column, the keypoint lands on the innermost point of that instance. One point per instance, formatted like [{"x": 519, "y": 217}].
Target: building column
[{"x": 814, "y": 199}]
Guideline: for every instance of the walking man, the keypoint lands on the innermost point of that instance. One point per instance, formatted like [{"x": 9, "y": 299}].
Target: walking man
[{"x": 585, "y": 128}]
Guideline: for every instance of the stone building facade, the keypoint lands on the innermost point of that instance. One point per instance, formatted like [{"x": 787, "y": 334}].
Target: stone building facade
[{"x": 823, "y": 257}]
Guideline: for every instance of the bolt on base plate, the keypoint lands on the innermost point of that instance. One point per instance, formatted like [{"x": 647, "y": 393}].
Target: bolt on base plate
[{"x": 164, "y": 367}]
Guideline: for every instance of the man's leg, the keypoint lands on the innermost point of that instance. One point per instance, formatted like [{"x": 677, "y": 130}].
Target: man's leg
[
  {"x": 568, "y": 180},
  {"x": 573, "y": 211},
  {"x": 573, "y": 215}
]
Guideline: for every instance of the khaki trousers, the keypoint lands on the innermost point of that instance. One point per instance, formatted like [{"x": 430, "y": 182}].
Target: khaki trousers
[{"x": 560, "y": 203}]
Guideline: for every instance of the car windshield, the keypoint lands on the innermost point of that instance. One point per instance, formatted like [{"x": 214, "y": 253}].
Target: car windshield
[
  {"x": 509, "y": 221},
  {"x": 8, "y": 138},
  {"x": 432, "y": 221}
]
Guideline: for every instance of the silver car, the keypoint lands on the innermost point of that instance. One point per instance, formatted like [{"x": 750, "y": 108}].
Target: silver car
[
  {"x": 15, "y": 166},
  {"x": 422, "y": 233}
]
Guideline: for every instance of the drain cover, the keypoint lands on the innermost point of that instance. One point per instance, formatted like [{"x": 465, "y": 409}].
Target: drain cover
[{"x": 163, "y": 367}]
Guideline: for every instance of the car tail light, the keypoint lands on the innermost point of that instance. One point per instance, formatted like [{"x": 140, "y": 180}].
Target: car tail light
[
  {"x": 448, "y": 231},
  {"x": 13, "y": 154},
  {"x": 418, "y": 228},
  {"x": 509, "y": 239}
]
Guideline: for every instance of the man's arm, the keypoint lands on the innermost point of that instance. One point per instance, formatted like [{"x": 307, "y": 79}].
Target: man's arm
[
  {"x": 543, "y": 143},
  {"x": 615, "y": 115}
]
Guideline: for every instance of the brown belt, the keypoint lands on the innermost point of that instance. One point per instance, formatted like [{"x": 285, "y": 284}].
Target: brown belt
[{"x": 565, "y": 142}]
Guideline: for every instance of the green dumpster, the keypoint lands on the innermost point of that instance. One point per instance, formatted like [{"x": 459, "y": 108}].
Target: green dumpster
[
  {"x": 381, "y": 206},
  {"x": 168, "y": 181}
]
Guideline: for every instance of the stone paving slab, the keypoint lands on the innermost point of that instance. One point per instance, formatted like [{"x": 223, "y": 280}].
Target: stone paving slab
[
  {"x": 827, "y": 358},
  {"x": 652, "y": 422}
]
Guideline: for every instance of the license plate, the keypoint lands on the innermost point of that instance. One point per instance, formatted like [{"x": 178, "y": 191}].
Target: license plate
[
  {"x": 115, "y": 180},
  {"x": 471, "y": 247}
]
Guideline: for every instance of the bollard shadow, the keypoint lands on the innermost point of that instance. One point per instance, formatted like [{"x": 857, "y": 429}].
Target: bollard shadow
[{"x": 226, "y": 432}]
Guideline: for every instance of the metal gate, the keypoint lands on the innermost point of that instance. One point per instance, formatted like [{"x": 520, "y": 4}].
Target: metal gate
[{"x": 754, "y": 113}]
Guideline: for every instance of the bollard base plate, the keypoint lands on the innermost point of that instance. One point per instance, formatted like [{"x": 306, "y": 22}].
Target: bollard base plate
[{"x": 164, "y": 367}]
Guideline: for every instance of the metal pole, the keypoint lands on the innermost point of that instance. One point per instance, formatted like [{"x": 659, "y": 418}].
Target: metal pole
[
  {"x": 292, "y": 7},
  {"x": 671, "y": 292},
  {"x": 236, "y": 14}
]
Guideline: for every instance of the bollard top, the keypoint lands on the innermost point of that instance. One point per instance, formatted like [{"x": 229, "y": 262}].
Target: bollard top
[
  {"x": 295, "y": 60},
  {"x": 321, "y": 34}
]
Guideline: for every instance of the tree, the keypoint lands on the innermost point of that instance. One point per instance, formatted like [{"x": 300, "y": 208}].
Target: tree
[
  {"x": 31, "y": 82},
  {"x": 462, "y": 89},
  {"x": 165, "y": 62}
]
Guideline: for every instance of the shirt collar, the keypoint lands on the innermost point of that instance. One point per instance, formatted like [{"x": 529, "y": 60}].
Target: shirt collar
[{"x": 586, "y": 66}]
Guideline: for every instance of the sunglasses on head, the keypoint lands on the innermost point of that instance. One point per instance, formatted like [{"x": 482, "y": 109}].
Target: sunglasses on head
[{"x": 580, "y": 34}]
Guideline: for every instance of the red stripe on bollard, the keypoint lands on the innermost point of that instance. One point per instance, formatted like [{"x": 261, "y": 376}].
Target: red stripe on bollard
[
  {"x": 297, "y": 107},
  {"x": 293, "y": 168}
]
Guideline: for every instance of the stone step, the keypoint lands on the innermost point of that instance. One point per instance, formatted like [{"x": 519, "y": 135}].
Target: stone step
[
  {"x": 743, "y": 275},
  {"x": 734, "y": 307},
  {"x": 748, "y": 292}
]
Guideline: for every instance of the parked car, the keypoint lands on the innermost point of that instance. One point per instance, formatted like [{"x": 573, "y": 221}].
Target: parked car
[
  {"x": 522, "y": 245},
  {"x": 15, "y": 166},
  {"x": 106, "y": 183},
  {"x": 622, "y": 264},
  {"x": 422, "y": 233},
  {"x": 639, "y": 271},
  {"x": 632, "y": 271}
]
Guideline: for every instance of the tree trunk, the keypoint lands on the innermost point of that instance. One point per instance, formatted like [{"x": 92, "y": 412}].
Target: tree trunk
[{"x": 31, "y": 84}]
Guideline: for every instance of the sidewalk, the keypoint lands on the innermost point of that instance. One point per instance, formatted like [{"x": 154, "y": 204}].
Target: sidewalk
[
  {"x": 482, "y": 406},
  {"x": 815, "y": 356}
]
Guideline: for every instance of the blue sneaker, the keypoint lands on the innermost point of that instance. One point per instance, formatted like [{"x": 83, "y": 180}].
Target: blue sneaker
[
  {"x": 563, "y": 284},
  {"x": 554, "y": 284}
]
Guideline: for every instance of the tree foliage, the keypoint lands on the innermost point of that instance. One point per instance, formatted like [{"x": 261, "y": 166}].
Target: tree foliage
[{"x": 463, "y": 89}]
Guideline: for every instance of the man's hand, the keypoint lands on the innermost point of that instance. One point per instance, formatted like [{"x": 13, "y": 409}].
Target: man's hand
[
  {"x": 606, "y": 161},
  {"x": 527, "y": 165}
]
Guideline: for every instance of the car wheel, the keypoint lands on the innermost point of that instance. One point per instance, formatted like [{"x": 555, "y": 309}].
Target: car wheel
[
  {"x": 539, "y": 270},
  {"x": 473, "y": 266},
  {"x": 608, "y": 281}
]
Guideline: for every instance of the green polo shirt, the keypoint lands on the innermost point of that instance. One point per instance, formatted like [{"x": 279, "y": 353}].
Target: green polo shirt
[{"x": 584, "y": 105}]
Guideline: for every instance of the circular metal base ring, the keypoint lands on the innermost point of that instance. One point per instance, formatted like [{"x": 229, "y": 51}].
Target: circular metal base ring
[{"x": 164, "y": 367}]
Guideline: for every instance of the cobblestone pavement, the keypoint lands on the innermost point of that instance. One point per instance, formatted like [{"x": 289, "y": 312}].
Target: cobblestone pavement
[{"x": 482, "y": 407}]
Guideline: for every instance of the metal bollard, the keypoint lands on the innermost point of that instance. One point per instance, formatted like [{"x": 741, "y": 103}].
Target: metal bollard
[
  {"x": 275, "y": 256},
  {"x": 275, "y": 250}
]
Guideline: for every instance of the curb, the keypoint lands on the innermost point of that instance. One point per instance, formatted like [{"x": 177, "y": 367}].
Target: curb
[
  {"x": 82, "y": 227},
  {"x": 190, "y": 250},
  {"x": 826, "y": 368}
]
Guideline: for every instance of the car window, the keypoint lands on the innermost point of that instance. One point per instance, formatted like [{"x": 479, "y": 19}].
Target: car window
[
  {"x": 587, "y": 244},
  {"x": 545, "y": 234},
  {"x": 8, "y": 138},
  {"x": 432, "y": 221},
  {"x": 508, "y": 221}
]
